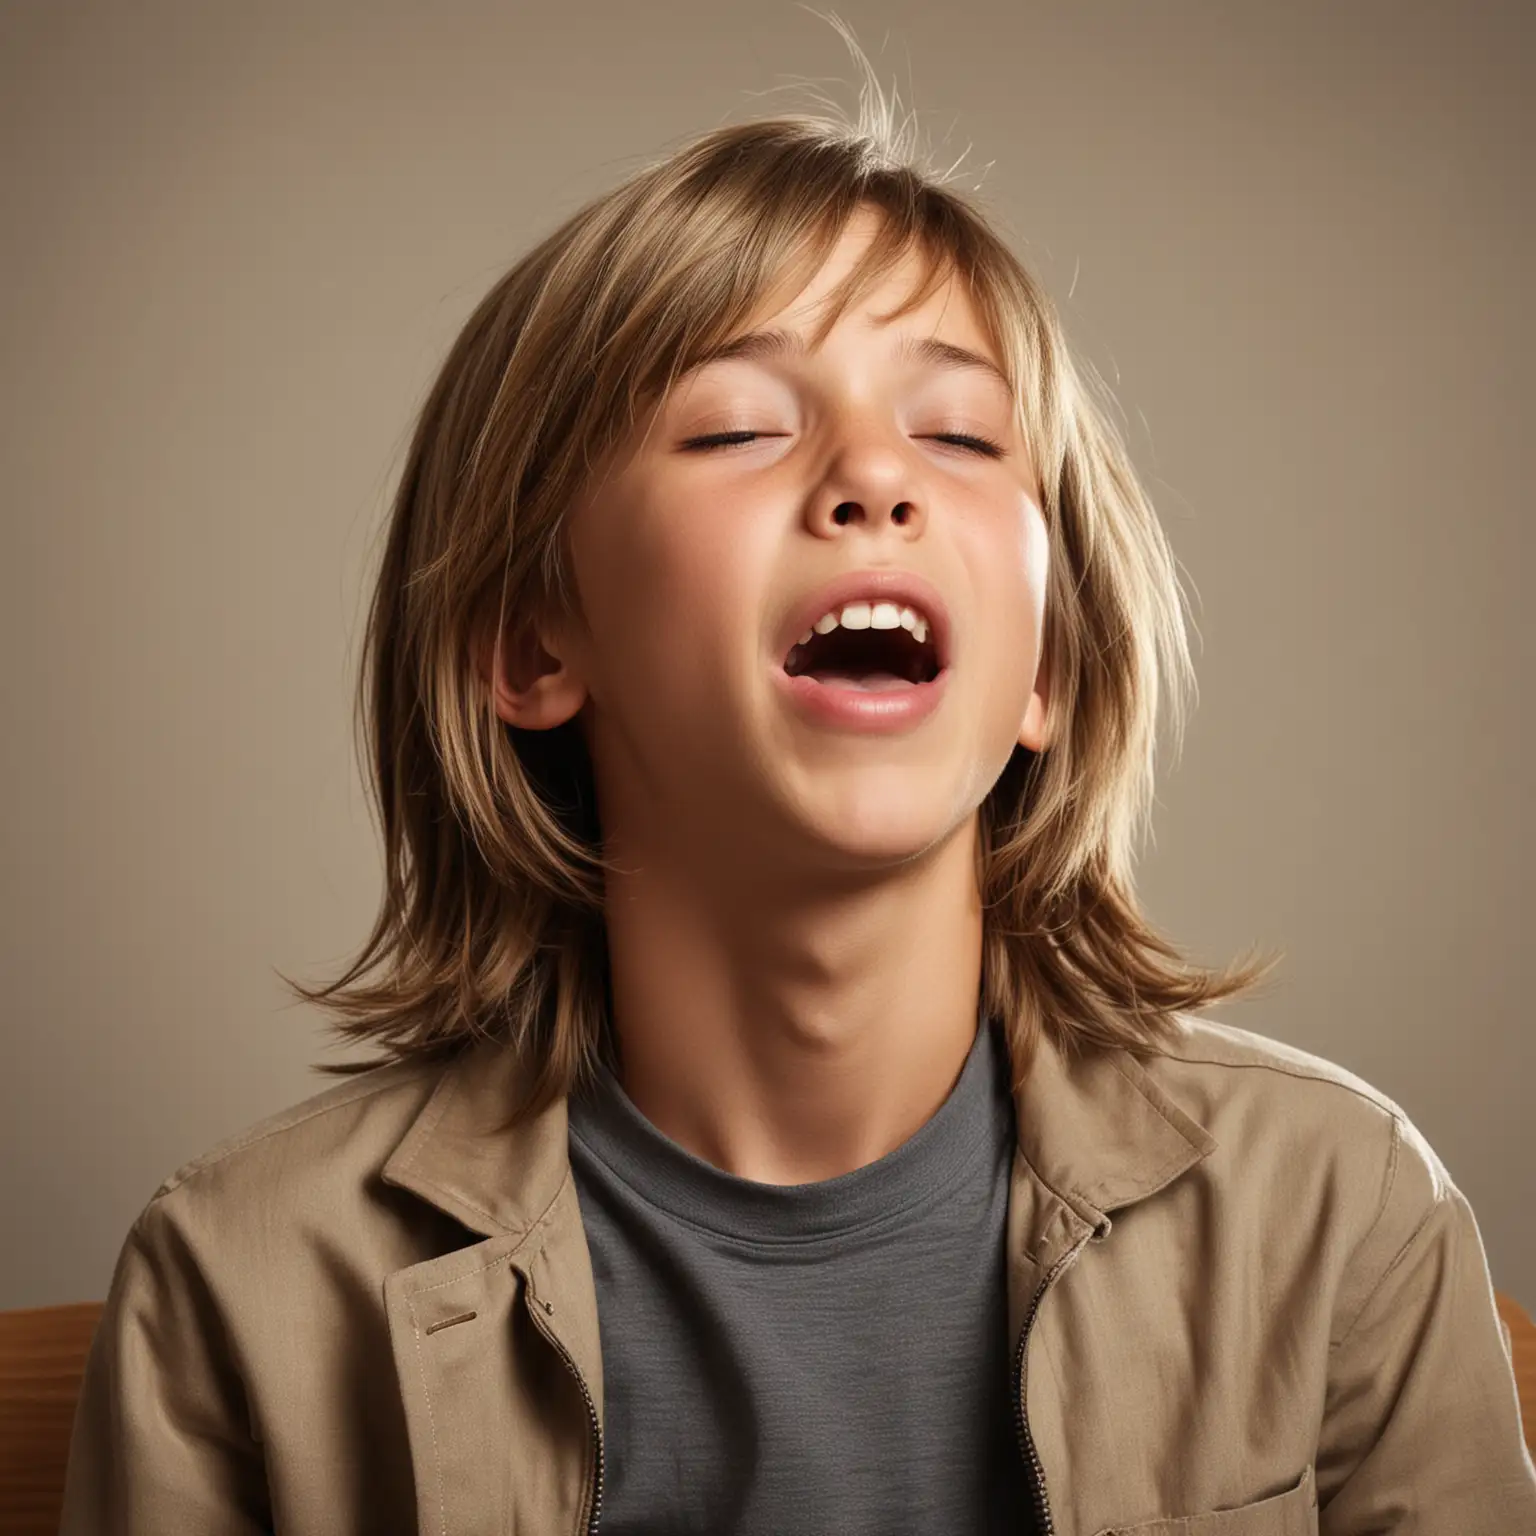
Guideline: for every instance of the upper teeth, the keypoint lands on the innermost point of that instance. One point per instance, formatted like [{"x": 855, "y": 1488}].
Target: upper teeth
[{"x": 870, "y": 616}]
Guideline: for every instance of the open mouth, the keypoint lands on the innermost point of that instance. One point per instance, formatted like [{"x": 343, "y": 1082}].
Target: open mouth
[{"x": 874, "y": 660}]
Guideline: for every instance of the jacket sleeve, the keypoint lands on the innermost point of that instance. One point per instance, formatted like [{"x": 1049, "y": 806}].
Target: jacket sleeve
[
  {"x": 162, "y": 1440},
  {"x": 1421, "y": 1429}
]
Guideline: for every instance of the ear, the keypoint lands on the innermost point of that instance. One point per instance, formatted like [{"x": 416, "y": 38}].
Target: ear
[
  {"x": 1032, "y": 732},
  {"x": 532, "y": 687}
]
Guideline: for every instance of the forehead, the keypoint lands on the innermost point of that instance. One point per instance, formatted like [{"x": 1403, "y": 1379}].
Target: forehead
[{"x": 804, "y": 302}]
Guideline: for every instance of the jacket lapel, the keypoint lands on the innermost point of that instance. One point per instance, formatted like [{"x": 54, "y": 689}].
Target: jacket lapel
[
  {"x": 1096, "y": 1134},
  {"x": 1095, "y": 1127},
  {"x": 497, "y": 1344}
]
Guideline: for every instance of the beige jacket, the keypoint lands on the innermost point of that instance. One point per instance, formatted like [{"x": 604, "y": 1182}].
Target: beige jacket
[{"x": 1247, "y": 1299}]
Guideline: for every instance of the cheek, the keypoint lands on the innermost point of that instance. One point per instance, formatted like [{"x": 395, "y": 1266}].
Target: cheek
[
  {"x": 671, "y": 588},
  {"x": 1009, "y": 559},
  {"x": 1035, "y": 561}
]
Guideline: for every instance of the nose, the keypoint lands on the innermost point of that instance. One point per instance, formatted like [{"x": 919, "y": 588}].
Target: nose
[{"x": 870, "y": 484}]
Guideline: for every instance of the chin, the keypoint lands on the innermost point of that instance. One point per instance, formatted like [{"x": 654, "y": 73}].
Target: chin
[{"x": 875, "y": 829}]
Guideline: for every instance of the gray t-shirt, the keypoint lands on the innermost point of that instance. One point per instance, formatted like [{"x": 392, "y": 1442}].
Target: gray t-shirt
[{"x": 827, "y": 1357}]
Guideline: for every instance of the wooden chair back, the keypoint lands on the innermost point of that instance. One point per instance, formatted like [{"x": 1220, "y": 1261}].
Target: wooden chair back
[
  {"x": 42, "y": 1358},
  {"x": 1520, "y": 1335}
]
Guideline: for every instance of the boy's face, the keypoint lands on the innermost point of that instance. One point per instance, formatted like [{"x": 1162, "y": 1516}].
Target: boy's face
[{"x": 692, "y": 561}]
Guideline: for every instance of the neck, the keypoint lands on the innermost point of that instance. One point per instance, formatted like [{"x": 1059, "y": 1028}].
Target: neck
[{"x": 789, "y": 1044}]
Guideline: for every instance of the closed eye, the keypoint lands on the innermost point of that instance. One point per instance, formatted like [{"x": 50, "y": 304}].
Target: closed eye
[
  {"x": 976, "y": 444},
  {"x": 967, "y": 440},
  {"x": 721, "y": 440}
]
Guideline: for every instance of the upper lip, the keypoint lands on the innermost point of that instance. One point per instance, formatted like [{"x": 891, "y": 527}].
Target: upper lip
[{"x": 904, "y": 588}]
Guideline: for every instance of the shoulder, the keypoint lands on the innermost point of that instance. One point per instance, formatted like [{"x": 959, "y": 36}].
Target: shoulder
[
  {"x": 1315, "y": 1133},
  {"x": 1221, "y": 1072},
  {"x": 1251, "y": 1084},
  {"x": 324, "y": 1153}
]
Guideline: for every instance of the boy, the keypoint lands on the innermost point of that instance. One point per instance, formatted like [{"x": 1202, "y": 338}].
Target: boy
[{"x": 788, "y": 1121}]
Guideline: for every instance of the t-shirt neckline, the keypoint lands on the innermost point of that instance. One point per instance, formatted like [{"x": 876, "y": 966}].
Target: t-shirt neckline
[{"x": 607, "y": 1125}]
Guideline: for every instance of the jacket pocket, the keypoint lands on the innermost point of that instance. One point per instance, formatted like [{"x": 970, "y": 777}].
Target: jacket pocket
[{"x": 1292, "y": 1513}]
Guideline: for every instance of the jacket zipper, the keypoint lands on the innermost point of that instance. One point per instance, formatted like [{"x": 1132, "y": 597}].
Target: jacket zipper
[
  {"x": 1044, "y": 1525},
  {"x": 595, "y": 1482}
]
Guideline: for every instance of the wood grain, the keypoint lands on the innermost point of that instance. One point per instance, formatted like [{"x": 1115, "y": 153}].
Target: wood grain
[
  {"x": 42, "y": 1358},
  {"x": 1522, "y": 1341}
]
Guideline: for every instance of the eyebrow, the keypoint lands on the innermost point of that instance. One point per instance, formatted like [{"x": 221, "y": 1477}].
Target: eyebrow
[{"x": 775, "y": 344}]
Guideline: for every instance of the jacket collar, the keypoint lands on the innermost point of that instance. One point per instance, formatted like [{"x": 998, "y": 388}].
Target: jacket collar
[
  {"x": 459, "y": 1156},
  {"x": 1100, "y": 1132},
  {"x": 1094, "y": 1128}
]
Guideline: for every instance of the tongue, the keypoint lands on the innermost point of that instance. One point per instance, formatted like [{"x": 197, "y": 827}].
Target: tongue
[{"x": 869, "y": 682}]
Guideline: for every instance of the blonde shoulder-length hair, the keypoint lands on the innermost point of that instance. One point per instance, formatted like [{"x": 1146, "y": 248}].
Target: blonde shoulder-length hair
[{"x": 491, "y": 920}]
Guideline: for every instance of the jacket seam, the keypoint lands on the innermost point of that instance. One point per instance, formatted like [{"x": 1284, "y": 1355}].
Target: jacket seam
[
  {"x": 1376, "y": 1098},
  {"x": 437, "y": 1285},
  {"x": 1389, "y": 1185},
  {"x": 542, "y": 1219},
  {"x": 1179, "y": 1159},
  {"x": 1397, "y": 1259},
  {"x": 1067, "y": 1197},
  {"x": 1152, "y": 1103},
  {"x": 524, "y": 1234},
  {"x": 1394, "y": 1114},
  {"x": 501, "y": 1228},
  {"x": 422, "y": 1126},
  {"x": 437, "y": 1460}
]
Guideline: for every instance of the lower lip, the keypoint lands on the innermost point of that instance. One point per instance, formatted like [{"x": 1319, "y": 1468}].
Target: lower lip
[{"x": 853, "y": 709}]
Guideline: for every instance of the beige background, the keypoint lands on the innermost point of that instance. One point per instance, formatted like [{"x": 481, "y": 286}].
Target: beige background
[{"x": 237, "y": 240}]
